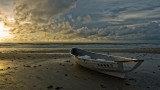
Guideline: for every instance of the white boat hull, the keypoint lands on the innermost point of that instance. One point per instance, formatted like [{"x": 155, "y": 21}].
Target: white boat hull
[
  {"x": 101, "y": 67},
  {"x": 115, "y": 66}
]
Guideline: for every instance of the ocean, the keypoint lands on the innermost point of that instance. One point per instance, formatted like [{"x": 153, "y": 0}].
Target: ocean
[
  {"x": 145, "y": 51},
  {"x": 58, "y": 47}
]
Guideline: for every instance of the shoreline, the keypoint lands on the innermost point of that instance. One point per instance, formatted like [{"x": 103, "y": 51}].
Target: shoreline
[{"x": 136, "y": 50}]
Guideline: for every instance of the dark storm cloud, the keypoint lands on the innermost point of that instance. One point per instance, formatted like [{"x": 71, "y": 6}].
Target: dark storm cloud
[{"x": 37, "y": 10}]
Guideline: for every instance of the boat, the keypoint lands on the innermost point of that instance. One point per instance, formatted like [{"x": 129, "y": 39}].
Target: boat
[{"x": 108, "y": 64}]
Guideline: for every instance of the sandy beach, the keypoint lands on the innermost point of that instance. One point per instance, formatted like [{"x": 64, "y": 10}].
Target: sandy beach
[{"x": 57, "y": 71}]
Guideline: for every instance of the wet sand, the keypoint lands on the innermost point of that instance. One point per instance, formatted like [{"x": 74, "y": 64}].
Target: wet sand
[{"x": 55, "y": 71}]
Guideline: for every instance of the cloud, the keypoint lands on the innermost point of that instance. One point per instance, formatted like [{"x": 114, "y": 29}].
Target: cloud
[
  {"x": 65, "y": 32},
  {"x": 113, "y": 11},
  {"x": 36, "y": 19},
  {"x": 55, "y": 20},
  {"x": 87, "y": 19},
  {"x": 6, "y": 6},
  {"x": 148, "y": 31},
  {"x": 41, "y": 10}
]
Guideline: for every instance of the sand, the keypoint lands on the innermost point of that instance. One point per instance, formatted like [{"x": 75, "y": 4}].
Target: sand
[{"x": 57, "y": 71}]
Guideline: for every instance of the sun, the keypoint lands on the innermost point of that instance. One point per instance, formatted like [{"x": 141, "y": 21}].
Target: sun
[{"x": 4, "y": 32}]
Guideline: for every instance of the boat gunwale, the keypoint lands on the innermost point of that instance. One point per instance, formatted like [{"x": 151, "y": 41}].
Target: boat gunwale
[{"x": 117, "y": 57}]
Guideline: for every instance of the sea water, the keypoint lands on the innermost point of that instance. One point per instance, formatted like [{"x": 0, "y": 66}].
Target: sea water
[{"x": 44, "y": 47}]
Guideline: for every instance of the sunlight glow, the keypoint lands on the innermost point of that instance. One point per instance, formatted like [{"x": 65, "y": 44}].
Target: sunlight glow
[{"x": 4, "y": 32}]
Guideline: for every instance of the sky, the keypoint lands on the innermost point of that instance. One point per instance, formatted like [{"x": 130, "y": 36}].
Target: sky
[{"x": 80, "y": 20}]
